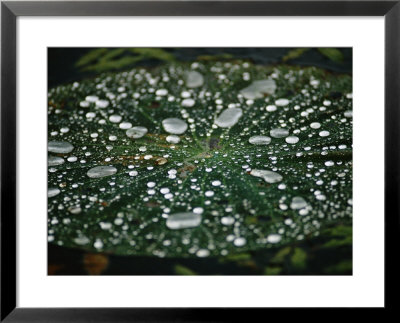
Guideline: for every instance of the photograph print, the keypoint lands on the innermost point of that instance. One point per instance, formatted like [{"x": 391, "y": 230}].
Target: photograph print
[{"x": 199, "y": 161}]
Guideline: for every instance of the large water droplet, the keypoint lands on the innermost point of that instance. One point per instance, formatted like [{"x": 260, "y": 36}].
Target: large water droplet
[
  {"x": 292, "y": 140},
  {"x": 279, "y": 133},
  {"x": 136, "y": 132},
  {"x": 229, "y": 117},
  {"x": 315, "y": 125},
  {"x": 175, "y": 126},
  {"x": 260, "y": 140},
  {"x": 183, "y": 220},
  {"x": 267, "y": 175},
  {"x": 101, "y": 171},
  {"x": 298, "y": 203},
  {"x": 52, "y": 191},
  {"x": 55, "y": 161},
  {"x": 194, "y": 79},
  {"x": 173, "y": 139},
  {"x": 60, "y": 147},
  {"x": 258, "y": 89}
]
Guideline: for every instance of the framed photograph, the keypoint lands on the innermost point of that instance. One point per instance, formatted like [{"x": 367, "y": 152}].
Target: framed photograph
[{"x": 197, "y": 157}]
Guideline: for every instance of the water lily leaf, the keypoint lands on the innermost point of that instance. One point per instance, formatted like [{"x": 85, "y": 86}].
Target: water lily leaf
[
  {"x": 272, "y": 270},
  {"x": 294, "y": 53},
  {"x": 333, "y": 54},
  {"x": 182, "y": 270},
  {"x": 134, "y": 169},
  {"x": 298, "y": 258}
]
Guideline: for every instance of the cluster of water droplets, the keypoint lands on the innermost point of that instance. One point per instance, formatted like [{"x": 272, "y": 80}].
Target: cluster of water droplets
[{"x": 200, "y": 159}]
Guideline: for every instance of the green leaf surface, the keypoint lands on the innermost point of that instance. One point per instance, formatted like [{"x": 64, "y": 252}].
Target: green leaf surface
[
  {"x": 294, "y": 53},
  {"x": 210, "y": 173},
  {"x": 333, "y": 54},
  {"x": 111, "y": 59}
]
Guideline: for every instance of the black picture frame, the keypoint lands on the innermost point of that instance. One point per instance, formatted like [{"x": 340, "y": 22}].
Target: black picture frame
[{"x": 10, "y": 10}]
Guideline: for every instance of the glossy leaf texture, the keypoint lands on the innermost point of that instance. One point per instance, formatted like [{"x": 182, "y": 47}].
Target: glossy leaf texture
[{"x": 199, "y": 160}]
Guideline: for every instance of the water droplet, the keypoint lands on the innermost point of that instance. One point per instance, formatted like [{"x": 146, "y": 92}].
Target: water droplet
[
  {"x": 267, "y": 175},
  {"x": 125, "y": 125},
  {"x": 161, "y": 92},
  {"x": 315, "y": 125},
  {"x": 298, "y": 203},
  {"x": 102, "y": 104},
  {"x": 64, "y": 130},
  {"x": 74, "y": 209},
  {"x": 115, "y": 118},
  {"x": 105, "y": 225},
  {"x": 91, "y": 98},
  {"x": 348, "y": 114},
  {"x": 198, "y": 210},
  {"x": 82, "y": 240},
  {"x": 216, "y": 183},
  {"x": 164, "y": 190},
  {"x": 151, "y": 184},
  {"x": 202, "y": 253},
  {"x": 55, "y": 161},
  {"x": 101, "y": 171},
  {"x": 274, "y": 238},
  {"x": 161, "y": 161},
  {"x": 239, "y": 242},
  {"x": 133, "y": 173},
  {"x": 173, "y": 139},
  {"x": 136, "y": 132},
  {"x": 327, "y": 102},
  {"x": 59, "y": 147},
  {"x": 194, "y": 79},
  {"x": 185, "y": 94},
  {"x": 188, "y": 103},
  {"x": 258, "y": 89},
  {"x": 324, "y": 133},
  {"x": 282, "y": 102},
  {"x": 84, "y": 104},
  {"x": 260, "y": 140},
  {"x": 183, "y": 220},
  {"x": 52, "y": 191},
  {"x": 292, "y": 140},
  {"x": 227, "y": 220},
  {"x": 229, "y": 117},
  {"x": 175, "y": 126},
  {"x": 98, "y": 244},
  {"x": 279, "y": 133}
]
